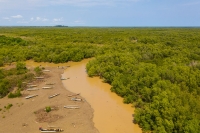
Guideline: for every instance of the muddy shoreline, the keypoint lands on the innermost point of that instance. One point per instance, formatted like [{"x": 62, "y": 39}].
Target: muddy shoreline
[
  {"x": 103, "y": 111},
  {"x": 111, "y": 115},
  {"x": 21, "y": 117}
]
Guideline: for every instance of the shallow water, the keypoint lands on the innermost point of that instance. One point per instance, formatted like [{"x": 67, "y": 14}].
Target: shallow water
[{"x": 111, "y": 115}]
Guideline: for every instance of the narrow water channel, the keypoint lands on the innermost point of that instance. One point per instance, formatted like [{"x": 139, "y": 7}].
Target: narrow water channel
[{"x": 111, "y": 115}]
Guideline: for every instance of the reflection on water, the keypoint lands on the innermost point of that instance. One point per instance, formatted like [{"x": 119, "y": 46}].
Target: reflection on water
[{"x": 110, "y": 114}]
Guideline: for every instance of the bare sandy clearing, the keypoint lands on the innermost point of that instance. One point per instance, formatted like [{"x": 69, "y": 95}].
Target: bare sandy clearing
[{"x": 23, "y": 117}]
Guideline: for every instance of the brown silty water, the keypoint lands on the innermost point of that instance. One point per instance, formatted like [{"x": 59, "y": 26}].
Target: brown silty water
[{"x": 111, "y": 115}]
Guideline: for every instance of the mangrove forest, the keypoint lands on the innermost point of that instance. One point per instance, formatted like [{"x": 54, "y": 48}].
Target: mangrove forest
[{"x": 157, "y": 70}]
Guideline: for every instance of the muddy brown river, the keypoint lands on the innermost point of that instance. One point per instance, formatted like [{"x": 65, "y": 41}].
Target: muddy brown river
[{"x": 111, "y": 115}]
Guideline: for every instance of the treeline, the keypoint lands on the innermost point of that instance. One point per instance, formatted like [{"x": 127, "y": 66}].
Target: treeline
[
  {"x": 155, "y": 69},
  {"x": 43, "y": 44}
]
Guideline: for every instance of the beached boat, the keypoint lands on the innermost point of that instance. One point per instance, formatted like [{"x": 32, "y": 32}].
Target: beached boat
[
  {"x": 50, "y": 130},
  {"x": 46, "y": 70},
  {"x": 31, "y": 96},
  {"x": 54, "y": 95},
  {"x": 64, "y": 78},
  {"x": 47, "y": 87},
  {"x": 32, "y": 86},
  {"x": 73, "y": 95},
  {"x": 76, "y": 99},
  {"x": 72, "y": 107},
  {"x": 32, "y": 89}
]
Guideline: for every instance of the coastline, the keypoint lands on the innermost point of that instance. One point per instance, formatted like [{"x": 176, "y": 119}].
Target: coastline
[{"x": 21, "y": 117}]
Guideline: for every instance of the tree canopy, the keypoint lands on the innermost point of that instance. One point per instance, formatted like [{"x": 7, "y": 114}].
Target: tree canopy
[{"x": 155, "y": 69}]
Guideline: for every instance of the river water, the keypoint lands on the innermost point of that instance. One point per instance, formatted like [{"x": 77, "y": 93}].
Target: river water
[{"x": 111, "y": 115}]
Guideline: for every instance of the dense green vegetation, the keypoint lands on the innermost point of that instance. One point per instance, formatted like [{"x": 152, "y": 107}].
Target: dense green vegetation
[
  {"x": 159, "y": 74},
  {"x": 45, "y": 44},
  {"x": 155, "y": 69},
  {"x": 13, "y": 77},
  {"x": 15, "y": 94}
]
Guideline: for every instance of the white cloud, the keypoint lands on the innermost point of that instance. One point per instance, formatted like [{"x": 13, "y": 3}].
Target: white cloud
[
  {"x": 38, "y": 18},
  {"x": 32, "y": 19},
  {"x": 17, "y": 16},
  {"x": 57, "y": 19},
  {"x": 14, "y": 17}
]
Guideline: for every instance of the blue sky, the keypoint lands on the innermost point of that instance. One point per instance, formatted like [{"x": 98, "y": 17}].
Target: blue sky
[{"x": 100, "y": 12}]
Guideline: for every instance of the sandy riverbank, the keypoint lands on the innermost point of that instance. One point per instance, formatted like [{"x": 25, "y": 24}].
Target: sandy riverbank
[{"x": 22, "y": 117}]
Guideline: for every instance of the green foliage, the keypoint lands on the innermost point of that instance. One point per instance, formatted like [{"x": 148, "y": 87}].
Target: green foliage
[
  {"x": 11, "y": 41},
  {"x": 19, "y": 84},
  {"x": 156, "y": 69},
  {"x": 8, "y": 106},
  {"x": 38, "y": 70},
  {"x": 2, "y": 75},
  {"x": 14, "y": 95},
  {"x": 157, "y": 77},
  {"x": 1, "y": 63},
  {"x": 48, "y": 109},
  {"x": 13, "y": 78},
  {"x": 21, "y": 68},
  {"x": 4, "y": 87}
]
